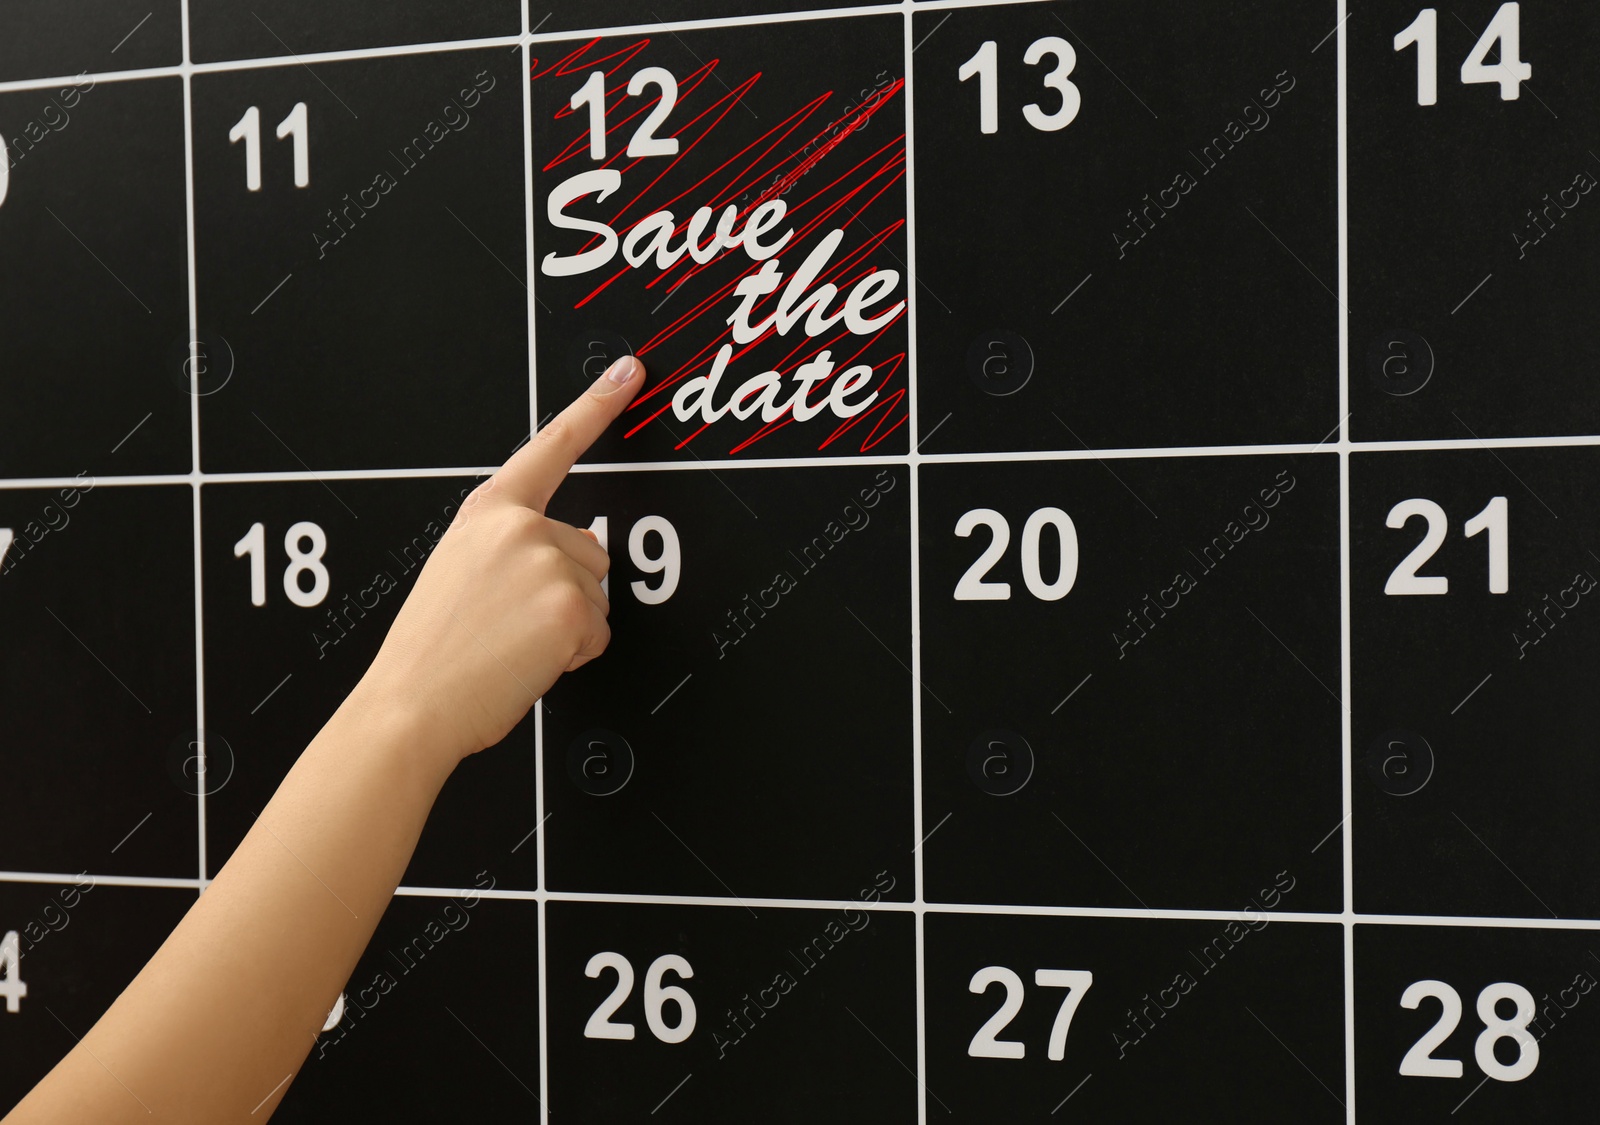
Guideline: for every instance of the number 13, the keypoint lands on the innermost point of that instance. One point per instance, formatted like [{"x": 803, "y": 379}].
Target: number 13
[{"x": 985, "y": 66}]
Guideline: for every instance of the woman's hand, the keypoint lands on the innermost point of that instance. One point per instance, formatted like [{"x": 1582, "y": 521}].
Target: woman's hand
[
  {"x": 219, "y": 1020},
  {"x": 510, "y": 598}
]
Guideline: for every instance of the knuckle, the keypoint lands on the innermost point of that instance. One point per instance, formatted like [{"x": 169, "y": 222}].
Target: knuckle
[
  {"x": 522, "y": 526},
  {"x": 555, "y": 433},
  {"x": 572, "y": 608}
]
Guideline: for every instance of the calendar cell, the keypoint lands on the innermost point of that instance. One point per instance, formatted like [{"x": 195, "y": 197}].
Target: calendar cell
[
  {"x": 717, "y": 1014},
  {"x": 1471, "y": 175},
  {"x": 1137, "y": 203},
  {"x": 1098, "y": 1019},
  {"x": 361, "y": 253},
  {"x": 729, "y": 204},
  {"x": 1475, "y": 1023},
  {"x": 251, "y": 29},
  {"x": 1130, "y": 676},
  {"x": 708, "y": 776},
  {"x": 303, "y": 582},
  {"x": 97, "y": 675},
  {"x": 96, "y": 336},
  {"x": 1472, "y": 650},
  {"x": 45, "y": 38},
  {"x": 448, "y": 986},
  {"x": 66, "y": 951}
]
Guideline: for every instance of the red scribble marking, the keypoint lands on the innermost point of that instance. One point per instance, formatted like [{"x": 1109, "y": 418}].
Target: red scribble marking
[
  {"x": 742, "y": 179},
  {"x": 571, "y": 64}
]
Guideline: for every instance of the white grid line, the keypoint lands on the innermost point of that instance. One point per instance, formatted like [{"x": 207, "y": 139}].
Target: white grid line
[
  {"x": 506, "y": 41},
  {"x": 194, "y": 438},
  {"x": 1346, "y": 719},
  {"x": 530, "y": 265},
  {"x": 1572, "y": 441},
  {"x": 888, "y": 906},
  {"x": 912, "y": 460}
]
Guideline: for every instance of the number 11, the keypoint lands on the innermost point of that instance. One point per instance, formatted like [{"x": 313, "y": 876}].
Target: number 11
[{"x": 248, "y": 129}]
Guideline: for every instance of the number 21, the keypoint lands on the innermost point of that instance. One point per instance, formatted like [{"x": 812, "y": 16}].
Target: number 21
[{"x": 1493, "y": 519}]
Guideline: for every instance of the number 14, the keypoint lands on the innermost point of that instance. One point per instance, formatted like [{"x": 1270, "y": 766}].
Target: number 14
[{"x": 1510, "y": 72}]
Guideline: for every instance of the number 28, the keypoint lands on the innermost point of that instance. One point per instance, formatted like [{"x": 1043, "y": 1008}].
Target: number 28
[{"x": 1419, "y": 1061}]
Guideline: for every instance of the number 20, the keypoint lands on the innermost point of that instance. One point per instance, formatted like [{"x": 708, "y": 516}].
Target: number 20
[{"x": 973, "y": 588}]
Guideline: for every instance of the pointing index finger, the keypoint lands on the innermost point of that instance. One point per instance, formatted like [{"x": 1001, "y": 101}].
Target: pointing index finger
[{"x": 535, "y": 471}]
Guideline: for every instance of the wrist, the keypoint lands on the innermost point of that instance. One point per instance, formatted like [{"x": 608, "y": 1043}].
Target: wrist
[{"x": 400, "y": 724}]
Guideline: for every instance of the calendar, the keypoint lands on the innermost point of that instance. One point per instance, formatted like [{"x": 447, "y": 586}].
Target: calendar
[{"x": 1102, "y": 561}]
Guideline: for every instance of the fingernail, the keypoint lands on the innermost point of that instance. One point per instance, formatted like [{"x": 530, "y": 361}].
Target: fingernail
[{"x": 616, "y": 375}]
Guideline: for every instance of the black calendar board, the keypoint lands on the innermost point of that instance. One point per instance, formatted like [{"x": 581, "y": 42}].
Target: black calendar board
[{"x": 1100, "y": 562}]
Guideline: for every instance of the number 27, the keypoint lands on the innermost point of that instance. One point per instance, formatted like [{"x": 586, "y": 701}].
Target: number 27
[{"x": 986, "y": 1044}]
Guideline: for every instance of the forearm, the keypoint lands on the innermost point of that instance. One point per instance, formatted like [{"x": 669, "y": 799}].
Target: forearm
[
  {"x": 231, "y": 1004},
  {"x": 215, "y": 1026}
]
